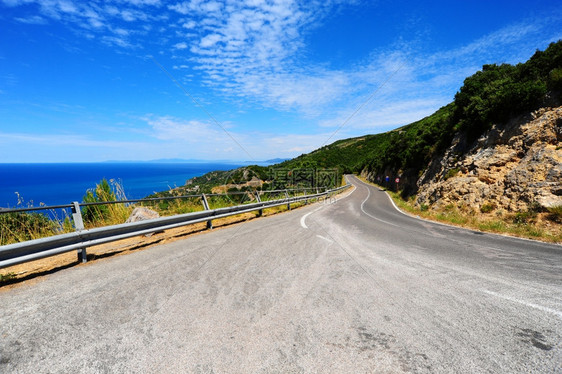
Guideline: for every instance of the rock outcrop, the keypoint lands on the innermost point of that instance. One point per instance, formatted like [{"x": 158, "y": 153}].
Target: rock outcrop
[
  {"x": 510, "y": 167},
  {"x": 142, "y": 214}
]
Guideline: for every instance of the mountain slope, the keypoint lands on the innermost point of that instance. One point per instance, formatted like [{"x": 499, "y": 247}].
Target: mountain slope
[
  {"x": 516, "y": 167},
  {"x": 488, "y": 100}
]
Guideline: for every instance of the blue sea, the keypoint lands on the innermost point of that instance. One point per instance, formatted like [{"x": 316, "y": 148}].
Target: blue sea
[{"x": 55, "y": 184}]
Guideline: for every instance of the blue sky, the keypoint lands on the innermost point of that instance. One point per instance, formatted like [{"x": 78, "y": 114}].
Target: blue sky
[{"x": 239, "y": 80}]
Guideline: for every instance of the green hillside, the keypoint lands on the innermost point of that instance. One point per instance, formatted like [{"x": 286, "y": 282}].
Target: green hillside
[{"x": 491, "y": 96}]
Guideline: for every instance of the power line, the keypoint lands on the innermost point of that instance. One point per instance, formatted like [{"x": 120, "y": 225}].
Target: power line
[
  {"x": 200, "y": 106},
  {"x": 363, "y": 104}
]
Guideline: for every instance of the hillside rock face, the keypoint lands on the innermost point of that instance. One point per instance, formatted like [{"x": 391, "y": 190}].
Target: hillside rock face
[{"x": 510, "y": 167}]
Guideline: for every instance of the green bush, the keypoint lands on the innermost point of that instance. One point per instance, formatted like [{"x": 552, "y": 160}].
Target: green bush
[
  {"x": 555, "y": 79},
  {"x": 7, "y": 277},
  {"x": 104, "y": 213},
  {"x": 451, "y": 173},
  {"x": 102, "y": 192},
  {"x": 494, "y": 95},
  {"x": 523, "y": 218},
  {"x": 487, "y": 207}
]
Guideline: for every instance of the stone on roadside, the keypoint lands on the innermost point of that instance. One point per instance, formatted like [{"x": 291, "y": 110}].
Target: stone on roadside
[{"x": 142, "y": 214}]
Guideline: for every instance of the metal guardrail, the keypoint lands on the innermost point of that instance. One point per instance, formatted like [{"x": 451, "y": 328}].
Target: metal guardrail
[
  {"x": 72, "y": 205},
  {"x": 17, "y": 253}
]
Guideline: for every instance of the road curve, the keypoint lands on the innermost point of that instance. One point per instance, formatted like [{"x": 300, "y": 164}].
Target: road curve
[{"x": 347, "y": 286}]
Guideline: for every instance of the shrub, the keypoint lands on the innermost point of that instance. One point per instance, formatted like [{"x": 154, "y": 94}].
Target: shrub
[
  {"x": 451, "y": 173},
  {"x": 7, "y": 277},
  {"x": 104, "y": 213},
  {"x": 487, "y": 207},
  {"x": 523, "y": 218},
  {"x": 555, "y": 79},
  {"x": 496, "y": 226},
  {"x": 555, "y": 213},
  {"x": 534, "y": 207}
]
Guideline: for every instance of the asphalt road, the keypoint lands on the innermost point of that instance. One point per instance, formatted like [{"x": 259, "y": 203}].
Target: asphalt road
[{"x": 352, "y": 286}]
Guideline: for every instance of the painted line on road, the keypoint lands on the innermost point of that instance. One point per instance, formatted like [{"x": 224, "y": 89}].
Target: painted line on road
[
  {"x": 411, "y": 215},
  {"x": 303, "y": 218},
  {"x": 324, "y": 238},
  {"x": 468, "y": 229},
  {"x": 505, "y": 236},
  {"x": 535, "y": 306},
  {"x": 348, "y": 195},
  {"x": 373, "y": 217}
]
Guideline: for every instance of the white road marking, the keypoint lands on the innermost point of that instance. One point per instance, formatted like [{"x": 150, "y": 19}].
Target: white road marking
[
  {"x": 535, "y": 306},
  {"x": 348, "y": 195},
  {"x": 303, "y": 218},
  {"x": 453, "y": 226},
  {"x": 373, "y": 217},
  {"x": 324, "y": 238}
]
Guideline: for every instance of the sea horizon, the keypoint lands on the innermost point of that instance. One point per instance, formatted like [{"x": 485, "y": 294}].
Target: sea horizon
[
  {"x": 35, "y": 184},
  {"x": 158, "y": 161}
]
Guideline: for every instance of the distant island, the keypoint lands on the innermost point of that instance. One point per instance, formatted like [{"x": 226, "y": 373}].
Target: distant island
[{"x": 198, "y": 161}]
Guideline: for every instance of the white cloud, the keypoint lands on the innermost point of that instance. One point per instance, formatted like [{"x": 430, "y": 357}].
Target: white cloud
[
  {"x": 189, "y": 25},
  {"x": 387, "y": 114},
  {"x": 32, "y": 20},
  {"x": 156, "y": 3},
  {"x": 116, "y": 40},
  {"x": 209, "y": 40},
  {"x": 111, "y": 23},
  {"x": 67, "y": 7},
  {"x": 121, "y": 32},
  {"x": 248, "y": 48},
  {"x": 182, "y": 45},
  {"x": 57, "y": 140},
  {"x": 182, "y": 8},
  {"x": 204, "y": 138},
  {"x": 170, "y": 128},
  {"x": 254, "y": 50},
  {"x": 289, "y": 145}
]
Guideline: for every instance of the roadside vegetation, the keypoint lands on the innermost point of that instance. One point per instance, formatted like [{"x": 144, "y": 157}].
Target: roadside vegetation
[
  {"x": 22, "y": 226},
  {"x": 530, "y": 224},
  {"x": 105, "y": 214},
  {"x": 18, "y": 227}
]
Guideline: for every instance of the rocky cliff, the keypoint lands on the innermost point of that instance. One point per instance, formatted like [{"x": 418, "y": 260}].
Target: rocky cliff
[{"x": 511, "y": 167}]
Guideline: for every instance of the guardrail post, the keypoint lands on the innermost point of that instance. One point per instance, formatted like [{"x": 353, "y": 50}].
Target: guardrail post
[
  {"x": 260, "y": 212},
  {"x": 206, "y": 206},
  {"x": 79, "y": 226},
  {"x": 288, "y": 203}
]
